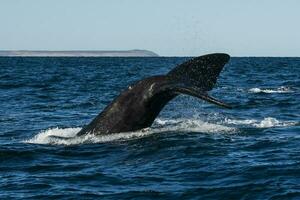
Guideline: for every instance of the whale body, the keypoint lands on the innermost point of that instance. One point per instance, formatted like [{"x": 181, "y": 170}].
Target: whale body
[{"x": 138, "y": 106}]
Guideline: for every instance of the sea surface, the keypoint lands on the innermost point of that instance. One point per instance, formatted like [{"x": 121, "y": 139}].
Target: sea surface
[{"x": 194, "y": 150}]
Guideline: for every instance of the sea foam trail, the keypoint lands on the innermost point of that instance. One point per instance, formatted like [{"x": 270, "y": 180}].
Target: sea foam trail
[
  {"x": 67, "y": 136},
  {"x": 269, "y": 91},
  {"x": 267, "y": 122}
]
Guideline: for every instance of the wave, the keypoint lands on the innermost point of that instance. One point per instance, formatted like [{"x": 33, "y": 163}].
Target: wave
[
  {"x": 67, "y": 136},
  {"x": 281, "y": 89},
  {"x": 267, "y": 122}
]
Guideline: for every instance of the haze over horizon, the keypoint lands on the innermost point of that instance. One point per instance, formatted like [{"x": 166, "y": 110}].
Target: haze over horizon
[{"x": 169, "y": 28}]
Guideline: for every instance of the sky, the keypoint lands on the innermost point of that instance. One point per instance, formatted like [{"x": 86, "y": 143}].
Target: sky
[{"x": 167, "y": 27}]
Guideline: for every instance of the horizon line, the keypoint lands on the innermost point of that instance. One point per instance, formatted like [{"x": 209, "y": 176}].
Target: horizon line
[{"x": 237, "y": 56}]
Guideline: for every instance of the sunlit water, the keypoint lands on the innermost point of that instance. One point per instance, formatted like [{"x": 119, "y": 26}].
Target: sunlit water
[{"x": 194, "y": 150}]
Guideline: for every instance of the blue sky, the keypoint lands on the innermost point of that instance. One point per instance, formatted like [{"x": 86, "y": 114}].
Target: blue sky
[{"x": 167, "y": 27}]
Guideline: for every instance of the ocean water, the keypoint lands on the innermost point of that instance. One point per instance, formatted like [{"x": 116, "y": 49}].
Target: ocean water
[{"x": 194, "y": 150}]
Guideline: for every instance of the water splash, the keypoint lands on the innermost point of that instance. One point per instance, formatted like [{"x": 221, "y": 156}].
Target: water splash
[
  {"x": 67, "y": 136},
  {"x": 281, "y": 89},
  {"x": 190, "y": 125},
  {"x": 54, "y": 136},
  {"x": 267, "y": 122}
]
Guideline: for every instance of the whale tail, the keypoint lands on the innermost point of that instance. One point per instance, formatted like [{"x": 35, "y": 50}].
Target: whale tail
[
  {"x": 139, "y": 105},
  {"x": 198, "y": 76}
]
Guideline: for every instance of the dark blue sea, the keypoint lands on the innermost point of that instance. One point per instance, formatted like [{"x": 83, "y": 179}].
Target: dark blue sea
[{"x": 194, "y": 150}]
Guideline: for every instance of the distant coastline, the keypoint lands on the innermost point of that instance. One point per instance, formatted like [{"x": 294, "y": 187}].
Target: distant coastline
[{"x": 128, "y": 53}]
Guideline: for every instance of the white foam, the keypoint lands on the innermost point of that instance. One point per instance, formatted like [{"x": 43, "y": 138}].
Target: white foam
[
  {"x": 281, "y": 89},
  {"x": 67, "y": 136},
  {"x": 190, "y": 125},
  {"x": 267, "y": 122},
  {"x": 46, "y": 137}
]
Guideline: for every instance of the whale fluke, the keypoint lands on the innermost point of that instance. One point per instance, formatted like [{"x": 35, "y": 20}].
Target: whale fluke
[{"x": 138, "y": 106}]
